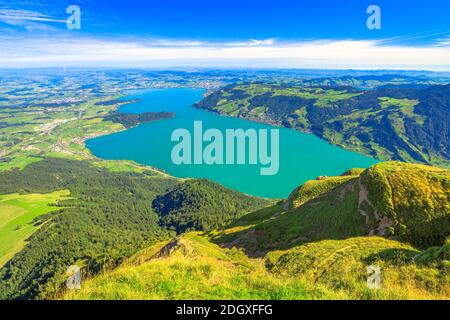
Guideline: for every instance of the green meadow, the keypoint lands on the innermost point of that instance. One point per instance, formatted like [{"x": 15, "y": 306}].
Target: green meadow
[
  {"x": 18, "y": 221},
  {"x": 191, "y": 267}
]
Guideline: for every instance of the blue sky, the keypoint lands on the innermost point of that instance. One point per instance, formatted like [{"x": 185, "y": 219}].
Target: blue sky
[{"x": 415, "y": 34}]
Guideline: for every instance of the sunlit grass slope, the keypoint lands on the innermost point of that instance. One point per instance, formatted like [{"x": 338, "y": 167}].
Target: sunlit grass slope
[
  {"x": 406, "y": 202},
  {"x": 17, "y": 218},
  {"x": 191, "y": 267},
  {"x": 341, "y": 265},
  {"x": 410, "y": 202},
  {"x": 317, "y": 244}
]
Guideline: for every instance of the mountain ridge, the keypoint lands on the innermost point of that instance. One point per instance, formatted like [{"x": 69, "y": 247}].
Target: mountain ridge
[
  {"x": 388, "y": 122},
  {"x": 296, "y": 254}
]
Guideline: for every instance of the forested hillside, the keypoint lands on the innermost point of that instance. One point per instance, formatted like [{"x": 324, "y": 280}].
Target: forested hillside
[
  {"x": 202, "y": 205},
  {"x": 318, "y": 244},
  {"x": 408, "y": 123},
  {"x": 129, "y": 120},
  {"x": 107, "y": 218}
]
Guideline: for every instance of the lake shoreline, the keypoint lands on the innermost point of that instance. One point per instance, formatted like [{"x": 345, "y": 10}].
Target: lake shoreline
[{"x": 304, "y": 155}]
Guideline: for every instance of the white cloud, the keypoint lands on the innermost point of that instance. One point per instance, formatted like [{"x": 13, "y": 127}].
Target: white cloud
[
  {"x": 443, "y": 42},
  {"x": 30, "y": 21},
  {"x": 342, "y": 54},
  {"x": 24, "y": 15}
]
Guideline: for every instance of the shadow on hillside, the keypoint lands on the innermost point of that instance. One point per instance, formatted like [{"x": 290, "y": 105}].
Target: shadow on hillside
[{"x": 393, "y": 256}]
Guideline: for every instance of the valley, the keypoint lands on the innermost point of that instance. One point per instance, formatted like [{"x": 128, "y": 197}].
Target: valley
[
  {"x": 319, "y": 249},
  {"x": 138, "y": 232}
]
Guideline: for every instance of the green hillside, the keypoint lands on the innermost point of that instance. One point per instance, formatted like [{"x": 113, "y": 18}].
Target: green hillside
[
  {"x": 191, "y": 267},
  {"x": 317, "y": 244},
  {"x": 202, "y": 205},
  {"x": 18, "y": 218},
  {"x": 391, "y": 122},
  {"x": 125, "y": 224},
  {"x": 410, "y": 203},
  {"x": 108, "y": 218}
]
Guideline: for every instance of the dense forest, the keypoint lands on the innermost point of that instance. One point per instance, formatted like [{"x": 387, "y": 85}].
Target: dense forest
[
  {"x": 129, "y": 120},
  {"x": 108, "y": 217},
  {"x": 202, "y": 205}
]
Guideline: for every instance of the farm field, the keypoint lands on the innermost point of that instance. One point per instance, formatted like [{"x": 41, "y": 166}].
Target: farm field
[{"x": 18, "y": 215}]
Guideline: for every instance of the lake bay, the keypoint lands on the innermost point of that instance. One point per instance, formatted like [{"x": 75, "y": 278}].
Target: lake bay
[{"x": 302, "y": 156}]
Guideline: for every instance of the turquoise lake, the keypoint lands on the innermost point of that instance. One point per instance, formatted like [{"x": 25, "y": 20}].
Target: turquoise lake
[{"x": 302, "y": 156}]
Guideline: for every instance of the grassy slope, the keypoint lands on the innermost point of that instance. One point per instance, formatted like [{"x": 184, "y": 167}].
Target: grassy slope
[
  {"x": 191, "y": 267},
  {"x": 316, "y": 245},
  {"x": 17, "y": 218},
  {"x": 408, "y": 202},
  {"x": 66, "y": 140},
  {"x": 108, "y": 218}
]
